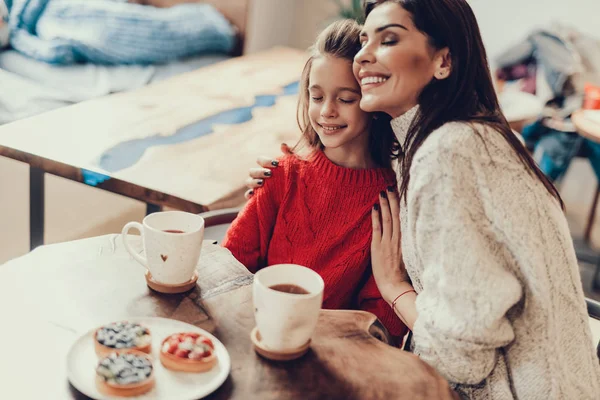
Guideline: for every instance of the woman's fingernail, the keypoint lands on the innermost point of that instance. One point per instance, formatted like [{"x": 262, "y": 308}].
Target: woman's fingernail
[
  {"x": 275, "y": 163},
  {"x": 251, "y": 192},
  {"x": 267, "y": 173},
  {"x": 260, "y": 181},
  {"x": 376, "y": 207},
  {"x": 390, "y": 189},
  {"x": 382, "y": 194}
]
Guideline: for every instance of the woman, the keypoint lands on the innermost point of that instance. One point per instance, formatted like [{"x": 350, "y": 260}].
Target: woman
[{"x": 489, "y": 282}]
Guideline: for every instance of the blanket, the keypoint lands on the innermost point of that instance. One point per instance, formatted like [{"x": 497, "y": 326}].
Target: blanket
[{"x": 115, "y": 32}]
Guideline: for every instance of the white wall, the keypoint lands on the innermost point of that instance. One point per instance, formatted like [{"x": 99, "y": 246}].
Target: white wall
[
  {"x": 293, "y": 23},
  {"x": 297, "y": 22},
  {"x": 503, "y": 23},
  {"x": 311, "y": 17},
  {"x": 269, "y": 24}
]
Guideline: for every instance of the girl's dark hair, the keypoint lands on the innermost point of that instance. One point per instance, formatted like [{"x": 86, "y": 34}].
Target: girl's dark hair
[
  {"x": 341, "y": 40},
  {"x": 467, "y": 94}
]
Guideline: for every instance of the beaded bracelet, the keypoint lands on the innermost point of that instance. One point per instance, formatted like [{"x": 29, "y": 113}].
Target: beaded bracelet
[{"x": 400, "y": 295}]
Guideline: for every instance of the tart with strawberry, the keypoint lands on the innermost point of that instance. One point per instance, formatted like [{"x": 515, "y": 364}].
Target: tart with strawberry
[
  {"x": 127, "y": 373},
  {"x": 120, "y": 336},
  {"x": 188, "y": 352}
]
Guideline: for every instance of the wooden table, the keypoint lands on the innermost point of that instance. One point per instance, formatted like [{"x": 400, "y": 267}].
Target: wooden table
[
  {"x": 55, "y": 293},
  {"x": 186, "y": 142}
]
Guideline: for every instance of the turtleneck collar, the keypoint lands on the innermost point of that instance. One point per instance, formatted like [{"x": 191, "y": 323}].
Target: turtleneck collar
[{"x": 401, "y": 124}]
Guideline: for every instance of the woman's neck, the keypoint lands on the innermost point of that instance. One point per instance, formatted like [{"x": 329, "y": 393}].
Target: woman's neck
[{"x": 400, "y": 111}]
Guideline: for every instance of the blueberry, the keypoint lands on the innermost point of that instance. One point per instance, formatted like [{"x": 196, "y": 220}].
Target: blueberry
[
  {"x": 126, "y": 372},
  {"x": 138, "y": 363}
]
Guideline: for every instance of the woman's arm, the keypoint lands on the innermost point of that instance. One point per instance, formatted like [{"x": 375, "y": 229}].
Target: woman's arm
[
  {"x": 258, "y": 176},
  {"x": 459, "y": 319},
  {"x": 369, "y": 299},
  {"x": 386, "y": 258},
  {"x": 249, "y": 235},
  {"x": 468, "y": 282}
]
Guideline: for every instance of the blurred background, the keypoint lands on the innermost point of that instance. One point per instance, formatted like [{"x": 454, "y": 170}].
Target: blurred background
[{"x": 528, "y": 43}]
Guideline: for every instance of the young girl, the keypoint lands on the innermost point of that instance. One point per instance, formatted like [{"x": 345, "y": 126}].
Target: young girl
[{"x": 316, "y": 210}]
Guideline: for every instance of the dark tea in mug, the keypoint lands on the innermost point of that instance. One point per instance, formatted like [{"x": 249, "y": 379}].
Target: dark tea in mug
[{"x": 289, "y": 288}]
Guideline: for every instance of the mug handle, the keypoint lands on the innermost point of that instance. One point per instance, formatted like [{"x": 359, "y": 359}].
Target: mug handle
[{"x": 125, "y": 232}]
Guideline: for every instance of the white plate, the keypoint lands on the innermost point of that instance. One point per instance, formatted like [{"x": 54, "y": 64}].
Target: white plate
[{"x": 170, "y": 385}]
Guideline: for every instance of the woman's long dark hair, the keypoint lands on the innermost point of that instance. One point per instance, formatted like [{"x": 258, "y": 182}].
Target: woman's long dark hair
[
  {"x": 467, "y": 94},
  {"x": 341, "y": 40}
]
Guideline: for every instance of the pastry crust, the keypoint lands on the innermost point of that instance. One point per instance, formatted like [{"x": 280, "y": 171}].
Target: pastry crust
[
  {"x": 102, "y": 350},
  {"x": 129, "y": 390},
  {"x": 175, "y": 363},
  {"x": 136, "y": 389}
]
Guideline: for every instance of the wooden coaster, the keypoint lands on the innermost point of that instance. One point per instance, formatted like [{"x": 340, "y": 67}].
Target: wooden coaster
[
  {"x": 171, "y": 289},
  {"x": 287, "y": 355}
]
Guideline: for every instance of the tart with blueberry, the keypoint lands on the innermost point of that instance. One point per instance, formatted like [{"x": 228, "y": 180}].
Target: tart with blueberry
[
  {"x": 120, "y": 336},
  {"x": 188, "y": 352},
  {"x": 127, "y": 373}
]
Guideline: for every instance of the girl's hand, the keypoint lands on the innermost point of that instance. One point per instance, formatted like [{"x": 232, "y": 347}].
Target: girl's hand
[
  {"x": 258, "y": 175},
  {"x": 386, "y": 254}
]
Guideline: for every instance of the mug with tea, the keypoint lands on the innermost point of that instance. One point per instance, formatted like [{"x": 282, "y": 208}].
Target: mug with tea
[
  {"x": 172, "y": 243},
  {"x": 287, "y": 301}
]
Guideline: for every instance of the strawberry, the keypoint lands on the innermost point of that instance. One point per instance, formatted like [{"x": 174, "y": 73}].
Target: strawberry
[
  {"x": 206, "y": 341},
  {"x": 182, "y": 353},
  {"x": 173, "y": 345}
]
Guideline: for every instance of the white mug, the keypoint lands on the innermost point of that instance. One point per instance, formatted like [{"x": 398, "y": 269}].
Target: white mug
[
  {"x": 171, "y": 257},
  {"x": 286, "y": 321}
]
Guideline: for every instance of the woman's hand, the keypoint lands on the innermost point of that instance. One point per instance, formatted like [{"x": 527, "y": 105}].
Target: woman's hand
[
  {"x": 386, "y": 254},
  {"x": 257, "y": 176}
]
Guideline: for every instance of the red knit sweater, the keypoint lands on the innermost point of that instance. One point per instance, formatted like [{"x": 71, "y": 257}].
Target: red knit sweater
[{"x": 317, "y": 214}]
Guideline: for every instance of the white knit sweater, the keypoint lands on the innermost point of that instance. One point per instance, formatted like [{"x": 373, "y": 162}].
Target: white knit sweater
[{"x": 501, "y": 310}]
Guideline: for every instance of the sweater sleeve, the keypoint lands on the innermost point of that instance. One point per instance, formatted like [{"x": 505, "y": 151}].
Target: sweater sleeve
[
  {"x": 468, "y": 284},
  {"x": 369, "y": 299},
  {"x": 249, "y": 235}
]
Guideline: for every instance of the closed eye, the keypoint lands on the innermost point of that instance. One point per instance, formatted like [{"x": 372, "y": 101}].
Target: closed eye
[{"x": 347, "y": 101}]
